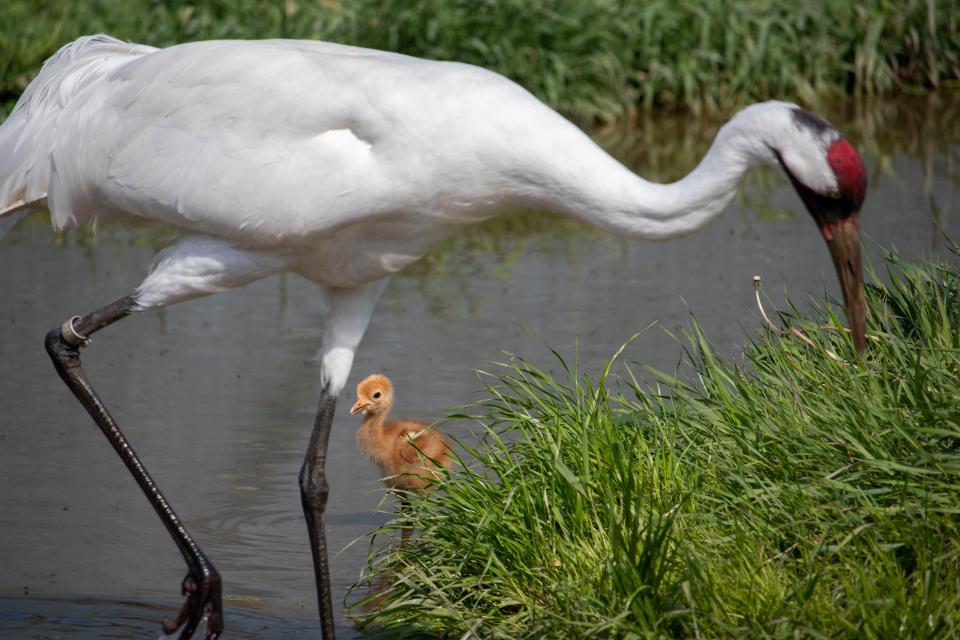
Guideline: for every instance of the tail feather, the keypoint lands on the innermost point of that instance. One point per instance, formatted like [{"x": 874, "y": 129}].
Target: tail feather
[{"x": 28, "y": 135}]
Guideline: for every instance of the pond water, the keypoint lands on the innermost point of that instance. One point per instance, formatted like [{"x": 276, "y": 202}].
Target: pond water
[{"x": 218, "y": 394}]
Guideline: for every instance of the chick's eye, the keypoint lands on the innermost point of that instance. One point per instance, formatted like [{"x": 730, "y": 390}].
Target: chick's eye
[{"x": 376, "y": 394}]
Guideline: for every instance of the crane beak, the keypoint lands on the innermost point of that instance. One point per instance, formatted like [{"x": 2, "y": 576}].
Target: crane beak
[
  {"x": 359, "y": 406},
  {"x": 843, "y": 240}
]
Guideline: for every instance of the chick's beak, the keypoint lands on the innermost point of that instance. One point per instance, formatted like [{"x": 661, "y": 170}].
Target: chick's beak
[
  {"x": 358, "y": 406},
  {"x": 843, "y": 240}
]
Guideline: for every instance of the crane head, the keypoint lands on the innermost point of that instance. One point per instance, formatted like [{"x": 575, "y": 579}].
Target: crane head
[
  {"x": 374, "y": 396},
  {"x": 830, "y": 179}
]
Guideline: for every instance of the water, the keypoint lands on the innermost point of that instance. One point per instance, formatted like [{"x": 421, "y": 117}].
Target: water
[
  {"x": 218, "y": 395},
  {"x": 73, "y": 616}
]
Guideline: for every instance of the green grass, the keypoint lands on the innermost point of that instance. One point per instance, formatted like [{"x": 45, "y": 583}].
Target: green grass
[
  {"x": 783, "y": 494},
  {"x": 592, "y": 60}
]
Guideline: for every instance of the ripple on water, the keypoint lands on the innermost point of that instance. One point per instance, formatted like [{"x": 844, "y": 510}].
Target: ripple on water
[{"x": 66, "y": 617}]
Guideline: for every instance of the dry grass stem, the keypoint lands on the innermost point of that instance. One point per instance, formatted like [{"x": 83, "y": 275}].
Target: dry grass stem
[{"x": 810, "y": 343}]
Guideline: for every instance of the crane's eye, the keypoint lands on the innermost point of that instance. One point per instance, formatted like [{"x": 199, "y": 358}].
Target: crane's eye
[
  {"x": 835, "y": 194},
  {"x": 376, "y": 394}
]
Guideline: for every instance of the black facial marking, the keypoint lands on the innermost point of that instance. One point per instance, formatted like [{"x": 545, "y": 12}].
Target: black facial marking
[
  {"x": 808, "y": 120},
  {"x": 825, "y": 210}
]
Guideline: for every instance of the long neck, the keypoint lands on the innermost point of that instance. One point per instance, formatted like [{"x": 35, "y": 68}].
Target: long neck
[{"x": 592, "y": 186}]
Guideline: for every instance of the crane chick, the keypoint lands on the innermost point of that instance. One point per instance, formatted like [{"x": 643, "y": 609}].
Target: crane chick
[{"x": 394, "y": 445}]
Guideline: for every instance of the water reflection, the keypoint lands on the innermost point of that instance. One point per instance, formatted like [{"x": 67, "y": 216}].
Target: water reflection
[{"x": 217, "y": 395}]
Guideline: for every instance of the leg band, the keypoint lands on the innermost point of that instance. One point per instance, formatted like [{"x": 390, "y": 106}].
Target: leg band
[{"x": 71, "y": 336}]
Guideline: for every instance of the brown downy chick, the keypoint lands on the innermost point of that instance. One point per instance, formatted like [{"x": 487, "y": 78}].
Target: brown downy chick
[{"x": 388, "y": 443}]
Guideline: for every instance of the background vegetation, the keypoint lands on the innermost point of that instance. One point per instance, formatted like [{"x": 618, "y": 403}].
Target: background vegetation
[
  {"x": 599, "y": 59},
  {"x": 787, "y": 494}
]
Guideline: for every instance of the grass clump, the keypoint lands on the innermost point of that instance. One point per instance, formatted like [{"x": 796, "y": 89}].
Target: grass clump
[
  {"x": 783, "y": 495},
  {"x": 593, "y": 60}
]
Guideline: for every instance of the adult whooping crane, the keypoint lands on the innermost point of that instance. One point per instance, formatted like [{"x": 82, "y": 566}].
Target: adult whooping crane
[{"x": 345, "y": 165}]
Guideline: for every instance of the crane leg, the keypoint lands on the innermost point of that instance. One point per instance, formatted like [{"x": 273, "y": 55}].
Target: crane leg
[
  {"x": 407, "y": 529},
  {"x": 314, "y": 491},
  {"x": 350, "y": 311},
  {"x": 201, "y": 586}
]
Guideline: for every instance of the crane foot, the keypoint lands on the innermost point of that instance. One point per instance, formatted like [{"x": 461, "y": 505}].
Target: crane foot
[{"x": 204, "y": 602}]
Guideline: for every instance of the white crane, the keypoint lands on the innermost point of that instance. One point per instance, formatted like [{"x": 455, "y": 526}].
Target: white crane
[{"x": 345, "y": 165}]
